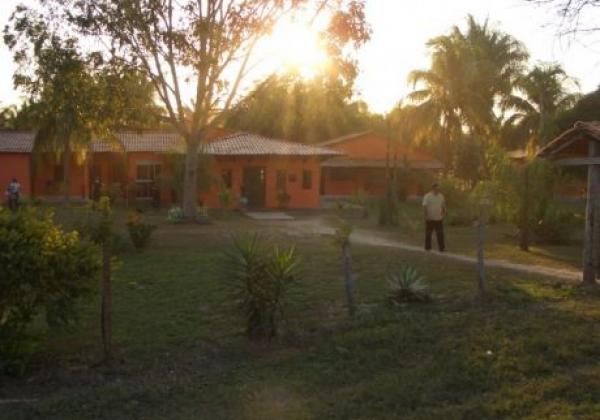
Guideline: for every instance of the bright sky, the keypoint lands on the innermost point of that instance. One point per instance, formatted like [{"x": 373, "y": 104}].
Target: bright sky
[{"x": 400, "y": 31}]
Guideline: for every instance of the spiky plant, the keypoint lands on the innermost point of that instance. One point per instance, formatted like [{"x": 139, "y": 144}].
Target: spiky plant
[
  {"x": 261, "y": 277},
  {"x": 407, "y": 285}
]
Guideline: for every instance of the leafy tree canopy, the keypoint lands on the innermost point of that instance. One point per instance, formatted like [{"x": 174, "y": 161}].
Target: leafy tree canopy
[
  {"x": 289, "y": 107},
  {"x": 197, "y": 53},
  {"x": 587, "y": 108}
]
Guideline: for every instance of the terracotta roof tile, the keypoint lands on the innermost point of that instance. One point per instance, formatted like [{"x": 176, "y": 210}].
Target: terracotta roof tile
[
  {"x": 344, "y": 138},
  {"x": 237, "y": 144},
  {"x": 247, "y": 144},
  {"x": 570, "y": 141},
  {"x": 161, "y": 142},
  {"x": 16, "y": 141}
]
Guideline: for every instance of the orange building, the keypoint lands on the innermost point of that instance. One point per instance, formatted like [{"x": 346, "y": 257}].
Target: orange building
[
  {"x": 362, "y": 165},
  {"x": 148, "y": 166}
]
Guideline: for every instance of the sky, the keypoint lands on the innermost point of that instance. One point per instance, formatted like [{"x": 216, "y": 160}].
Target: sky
[{"x": 401, "y": 29}]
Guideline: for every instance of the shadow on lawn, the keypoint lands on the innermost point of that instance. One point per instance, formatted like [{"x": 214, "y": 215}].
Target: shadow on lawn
[
  {"x": 531, "y": 350},
  {"x": 460, "y": 361}
]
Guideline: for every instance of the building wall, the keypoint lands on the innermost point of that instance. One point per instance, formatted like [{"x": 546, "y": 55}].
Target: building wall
[
  {"x": 15, "y": 165},
  {"x": 135, "y": 158},
  {"x": 372, "y": 146},
  {"x": 368, "y": 180},
  {"x": 300, "y": 198},
  {"x": 47, "y": 179}
]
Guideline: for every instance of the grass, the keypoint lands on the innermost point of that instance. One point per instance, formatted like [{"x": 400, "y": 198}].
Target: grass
[
  {"x": 501, "y": 239},
  {"x": 530, "y": 351}
]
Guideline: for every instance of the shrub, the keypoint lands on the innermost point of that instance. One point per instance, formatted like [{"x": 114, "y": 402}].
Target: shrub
[
  {"x": 361, "y": 199},
  {"x": 225, "y": 198},
  {"x": 407, "y": 285},
  {"x": 462, "y": 216},
  {"x": 139, "y": 231},
  {"x": 175, "y": 214},
  {"x": 261, "y": 277},
  {"x": 454, "y": 192},
  {"x": 43, "y": 270},
  {"x": 555, "y": 228}
]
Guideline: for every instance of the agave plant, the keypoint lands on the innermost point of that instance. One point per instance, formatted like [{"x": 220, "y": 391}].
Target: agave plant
[
  {"x": 261, "y": 277},
  {"x": 407, "y": 285}
]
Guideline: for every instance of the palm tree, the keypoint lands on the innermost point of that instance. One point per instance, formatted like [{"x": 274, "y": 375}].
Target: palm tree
[
  {"x": 544, "y": 94},
  {"x": 470, "y": 73}
]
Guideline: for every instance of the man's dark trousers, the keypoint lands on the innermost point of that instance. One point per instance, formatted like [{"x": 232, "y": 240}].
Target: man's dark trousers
[{"x": 438, "y": 226}]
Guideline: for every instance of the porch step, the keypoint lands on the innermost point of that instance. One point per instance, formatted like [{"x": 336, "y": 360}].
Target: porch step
[{"x": 268, "y": 215}]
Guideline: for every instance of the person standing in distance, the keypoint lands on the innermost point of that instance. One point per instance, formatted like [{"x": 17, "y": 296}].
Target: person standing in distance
[{"x": 434, "y": 211}]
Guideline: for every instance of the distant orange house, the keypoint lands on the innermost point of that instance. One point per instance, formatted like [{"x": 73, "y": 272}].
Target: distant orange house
[
  {"x": 362, "y": 163},
  {"x": 143, "y": 166}
]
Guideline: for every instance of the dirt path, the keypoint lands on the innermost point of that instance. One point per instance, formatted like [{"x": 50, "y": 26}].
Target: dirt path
[{"x": 320, "y": 226}]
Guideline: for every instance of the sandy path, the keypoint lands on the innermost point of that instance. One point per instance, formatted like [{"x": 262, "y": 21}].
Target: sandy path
[{"x": 319, "y": 226}]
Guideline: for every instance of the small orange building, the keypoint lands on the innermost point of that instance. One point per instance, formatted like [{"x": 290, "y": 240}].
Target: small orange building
[
  {"x": 15, "y": 160},
  {"x": 148, "y": 166},
  {"x": 362, "y": 165}
]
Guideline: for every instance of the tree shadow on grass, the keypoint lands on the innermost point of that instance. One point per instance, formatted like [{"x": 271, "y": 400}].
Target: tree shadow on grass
[{"x": 519, "y": 354}]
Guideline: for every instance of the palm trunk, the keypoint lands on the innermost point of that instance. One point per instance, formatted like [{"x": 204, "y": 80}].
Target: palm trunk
[
  {"x": 106, "y": 309},
  {"x": 190, "y": 180}
]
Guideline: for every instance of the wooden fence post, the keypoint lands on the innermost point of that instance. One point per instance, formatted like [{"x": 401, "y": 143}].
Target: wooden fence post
[
  {"x": 484, "y": 205},
  {"x": 348, "y": 281},
  {"x": 592, "y": 235}
]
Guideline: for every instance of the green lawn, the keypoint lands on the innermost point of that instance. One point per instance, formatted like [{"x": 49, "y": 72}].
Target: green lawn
[
  {"x": 501, "y": 239},
  {"x": 532, "y": 351}
]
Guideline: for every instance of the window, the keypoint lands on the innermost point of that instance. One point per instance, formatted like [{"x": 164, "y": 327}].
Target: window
[
  {"x": 226, "y": 175},
  {"x": 306, "y": 180},
  {"x": 280, "y": 182},
  {"x": 147, "y": 174}
]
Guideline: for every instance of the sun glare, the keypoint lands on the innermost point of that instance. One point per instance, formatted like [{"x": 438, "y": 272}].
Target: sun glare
[{"x": 296, "y": 47}]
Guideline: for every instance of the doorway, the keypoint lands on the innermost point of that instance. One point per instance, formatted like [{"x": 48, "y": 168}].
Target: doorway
[{"x": 254, "y": 186}]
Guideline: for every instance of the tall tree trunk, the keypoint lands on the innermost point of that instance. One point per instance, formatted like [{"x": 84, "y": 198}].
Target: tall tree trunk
[
  {"x": 106, "y": 309},
  {"x": 190, "y": 179},
  {"x": 66, "y": 162},
  {"x": 524, "y": 222},
  {"x": 348, "y": 280}
]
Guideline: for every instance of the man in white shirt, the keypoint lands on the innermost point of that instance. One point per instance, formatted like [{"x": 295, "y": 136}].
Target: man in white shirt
[{"x": 434, "y": 210}]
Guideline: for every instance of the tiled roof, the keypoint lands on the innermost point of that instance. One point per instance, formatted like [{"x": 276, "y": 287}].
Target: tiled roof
[
  {"x": 238, "y": 144},
  {"x": 16, "y": 141},
  {"x": 570, "y": 142},
  {"x": 161, "y": 142},
  {"x": 247, "y": 144},
  {"x": 344, "y": 138}
]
